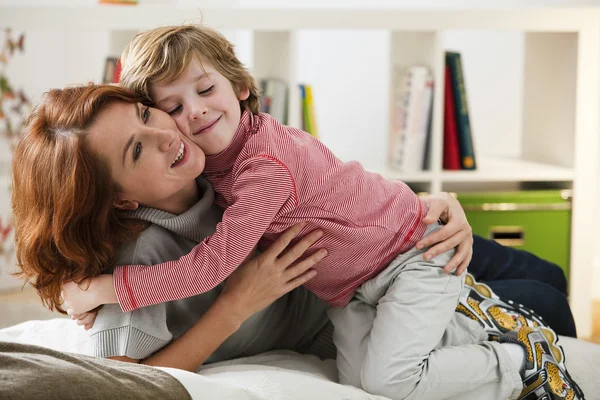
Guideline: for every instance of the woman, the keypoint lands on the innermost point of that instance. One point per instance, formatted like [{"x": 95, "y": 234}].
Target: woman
[{"x": 72, "y": 223}]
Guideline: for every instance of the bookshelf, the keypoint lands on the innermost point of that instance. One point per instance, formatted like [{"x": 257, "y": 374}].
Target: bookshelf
[{"x": 559, "y": 144}]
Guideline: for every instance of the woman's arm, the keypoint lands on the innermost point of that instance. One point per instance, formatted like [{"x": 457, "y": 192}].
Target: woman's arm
[
  {"x": 253, "y": 286},
  {"x": 456, "y": 233}
]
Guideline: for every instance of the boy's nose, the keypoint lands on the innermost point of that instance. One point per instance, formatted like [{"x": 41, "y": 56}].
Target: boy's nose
[{"x": 197, "y": 112}]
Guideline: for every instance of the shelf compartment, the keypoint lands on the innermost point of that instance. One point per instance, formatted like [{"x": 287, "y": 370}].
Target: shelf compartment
[{"x": 497, "y": 169}]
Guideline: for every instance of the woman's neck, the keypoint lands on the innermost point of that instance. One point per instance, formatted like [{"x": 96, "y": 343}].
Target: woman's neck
[{"x": 181, "y": 201}]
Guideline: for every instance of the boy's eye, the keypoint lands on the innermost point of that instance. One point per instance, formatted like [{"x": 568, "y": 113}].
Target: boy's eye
[
  {"x": 207, "y": 91},
  {"x": 176, "y": 110},
  {"x": 137, "y": 150},
  {"x": 145, "y": 114}
]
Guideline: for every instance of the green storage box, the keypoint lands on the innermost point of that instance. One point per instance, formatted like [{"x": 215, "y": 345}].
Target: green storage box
[{"x": 535, "y": 221}]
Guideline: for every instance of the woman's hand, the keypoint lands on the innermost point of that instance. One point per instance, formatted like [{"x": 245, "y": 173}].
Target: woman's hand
[
  {"x": 81, "y": 297},
  {"x": 265, "y": 278},
  {"x": 456, "y": 233}
]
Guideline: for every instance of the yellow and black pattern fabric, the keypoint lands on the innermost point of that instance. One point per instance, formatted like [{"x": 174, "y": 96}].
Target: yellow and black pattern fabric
[
  {"x": 497, "y": 316},
  {"x": 545, "y": 376}
]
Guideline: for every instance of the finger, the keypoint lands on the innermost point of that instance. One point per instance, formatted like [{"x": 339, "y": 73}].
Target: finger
[
  {"x": 89, "y": 319},
  {"x": 299, "y": 248},
  {"x": 299, "y": 281},
  {"x": 83, "y": 317},
  {"x": 80, "y": 316},
  {"x": 443, "y": 246},
  {"x": 304, "y": 265},
  {"x": 436, "y": 237},
  {"x": 435, "y": 211},
  {"x": 283, "y": 241},
  {"x": 462, "y": 268},
  {"x": 460, "y": 256}
]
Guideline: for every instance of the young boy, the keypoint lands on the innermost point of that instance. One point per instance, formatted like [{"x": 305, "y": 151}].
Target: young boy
[{"x": 396, "y": 328}]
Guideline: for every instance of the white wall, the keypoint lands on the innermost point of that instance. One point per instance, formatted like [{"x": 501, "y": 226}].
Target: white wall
[
  {"x": 56, "y": 59},
  {"x": 448, "y": 4}
]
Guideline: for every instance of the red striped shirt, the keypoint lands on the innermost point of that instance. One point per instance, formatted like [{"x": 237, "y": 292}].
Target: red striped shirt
[{"x": 271, "y": 177}]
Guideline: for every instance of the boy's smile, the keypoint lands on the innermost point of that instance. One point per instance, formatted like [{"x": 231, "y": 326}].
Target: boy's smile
[
  {"x": 206, "y": 127},
  {"x": 204, "y": 105}
]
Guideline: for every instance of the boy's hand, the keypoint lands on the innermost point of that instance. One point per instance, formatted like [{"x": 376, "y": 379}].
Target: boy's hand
[
  {"x": 86, "y": 319},
  {"x": 81, "y": 298}
]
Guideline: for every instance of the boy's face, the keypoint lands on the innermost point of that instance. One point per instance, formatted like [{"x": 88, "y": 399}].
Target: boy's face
[{"x": 204, "y": 105}]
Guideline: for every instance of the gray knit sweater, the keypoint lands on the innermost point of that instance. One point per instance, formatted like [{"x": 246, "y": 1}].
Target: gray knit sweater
[{"x": 297, "y": 321}]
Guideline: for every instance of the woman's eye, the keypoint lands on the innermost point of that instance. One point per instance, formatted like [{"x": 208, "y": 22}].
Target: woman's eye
[
  {"x": 145, "y": 114},
  {"x": 174, "y": 111},
  {"x": 207, "y": 91},
  {"x": 137, "y": 150}
]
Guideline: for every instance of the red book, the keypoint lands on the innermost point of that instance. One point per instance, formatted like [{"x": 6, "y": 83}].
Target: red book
[
  {"x": 451, "y": 150},
  {"x": 117, "y": 72}
]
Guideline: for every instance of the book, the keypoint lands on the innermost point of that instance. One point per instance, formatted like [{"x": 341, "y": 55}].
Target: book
[
  {"x": 413, "y": 95},
  {"x": 309, "y": 123},
  {"x": 311, "y": 110},
  {"x": 274, "y": 98},
  {"x": 399, "y": 112},
  {"x": 427, "y": 156},
  {"x": 463, "y": 125},
  {"x": 451, "y": 160},
  {"x": 112, "y": 70},
  {"x": 117, "y": 71}
]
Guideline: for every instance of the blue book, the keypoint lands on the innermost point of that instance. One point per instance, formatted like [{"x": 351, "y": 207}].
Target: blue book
[{"x": 465, "y": 138}]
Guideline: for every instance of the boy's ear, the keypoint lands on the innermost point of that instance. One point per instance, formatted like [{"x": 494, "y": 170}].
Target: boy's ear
[
  {"x": 124, "y": 204},
  {"x": 244, "y": 94}
]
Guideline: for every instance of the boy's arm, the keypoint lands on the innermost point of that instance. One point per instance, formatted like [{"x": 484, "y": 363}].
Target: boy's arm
[{"x": 262, "y": 189}]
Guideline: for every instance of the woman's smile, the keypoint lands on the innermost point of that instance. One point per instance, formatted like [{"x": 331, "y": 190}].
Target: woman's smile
[{"x": 182, "y": 156}]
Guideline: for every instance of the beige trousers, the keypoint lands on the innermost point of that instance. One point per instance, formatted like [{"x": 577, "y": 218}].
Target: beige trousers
[{"x": 400, "y": 337}]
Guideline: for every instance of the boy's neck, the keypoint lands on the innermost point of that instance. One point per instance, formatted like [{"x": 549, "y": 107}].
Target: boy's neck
[{"x": 226, "y": 158}]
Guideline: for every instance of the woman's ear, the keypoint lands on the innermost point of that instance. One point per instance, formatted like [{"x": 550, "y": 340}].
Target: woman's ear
[
  {"x": 123, "y": 204},
  {"x": 244, "y": 94}
]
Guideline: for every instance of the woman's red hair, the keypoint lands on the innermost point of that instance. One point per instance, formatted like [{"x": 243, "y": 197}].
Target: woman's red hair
[{"x": 66, "y": 225}]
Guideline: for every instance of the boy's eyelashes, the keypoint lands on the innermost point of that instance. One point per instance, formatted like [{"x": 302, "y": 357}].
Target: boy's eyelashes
[
  {"x": 174, "y": 111},
  {"x": 207, "y": 91},
  {"x": 179, "y": 107}
]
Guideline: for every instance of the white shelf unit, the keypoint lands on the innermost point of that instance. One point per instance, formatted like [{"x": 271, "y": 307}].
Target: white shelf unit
[{"x": 560, "y": 145}]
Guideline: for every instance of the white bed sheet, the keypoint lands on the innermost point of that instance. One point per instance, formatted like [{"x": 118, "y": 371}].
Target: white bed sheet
[{"x": 275, "y": 375}]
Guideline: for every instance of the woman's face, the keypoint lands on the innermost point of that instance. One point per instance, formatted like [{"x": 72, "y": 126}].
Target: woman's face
[{"x": 151, "y": 161}]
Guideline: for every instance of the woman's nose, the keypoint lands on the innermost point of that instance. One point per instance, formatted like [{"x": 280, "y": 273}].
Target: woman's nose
[{"x": 166, "y": 140}]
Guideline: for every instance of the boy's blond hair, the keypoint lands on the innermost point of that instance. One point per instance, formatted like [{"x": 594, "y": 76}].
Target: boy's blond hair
[{"x": 162, "y": 54}]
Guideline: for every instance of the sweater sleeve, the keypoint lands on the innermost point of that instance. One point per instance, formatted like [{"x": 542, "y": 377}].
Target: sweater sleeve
[
  {"x": 139, "y": 333},
  {"x": 263, "y": 188}
]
